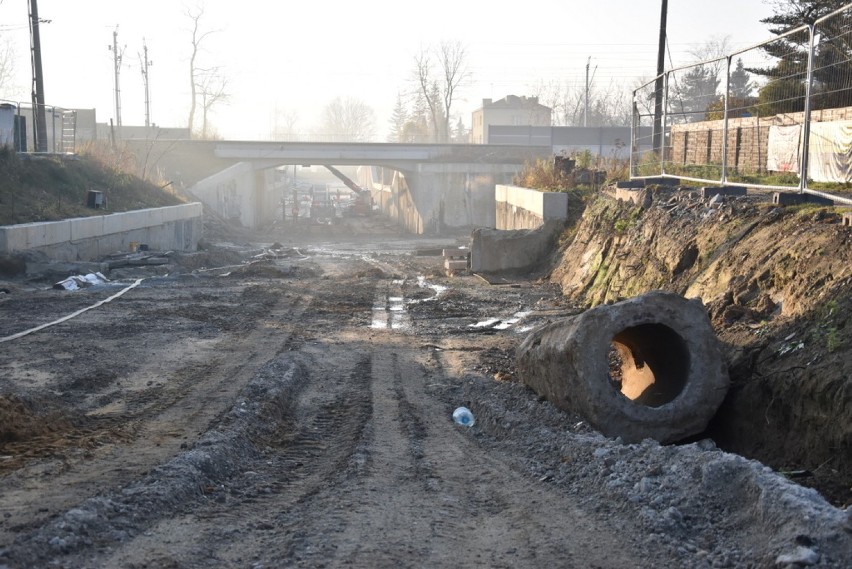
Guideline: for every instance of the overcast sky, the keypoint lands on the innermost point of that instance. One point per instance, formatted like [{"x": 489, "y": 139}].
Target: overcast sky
[{"x": 295, "y": 57}]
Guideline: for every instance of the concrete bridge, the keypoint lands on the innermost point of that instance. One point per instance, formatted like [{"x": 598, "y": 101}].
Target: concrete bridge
[{"x": 425, "y": 187}]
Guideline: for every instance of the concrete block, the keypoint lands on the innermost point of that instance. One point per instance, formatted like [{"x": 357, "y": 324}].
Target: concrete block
[
  {"x": 169, "y": 214},
  {"x": 661, "y": 181},
  {"x": 146, "y": 218},
  {"x": 455, "y": 264},
  {"x": 630, "y": 184},
  {"x": 709, "y": 192},
  {"x": 455, "y": 253},
  {"x": 554, "y": 205},
  {"x": 13, "y": 238},
  {"x": 86, "y": 227},
  {"x": 47, "y": 233},
  {"x": 117, "y": 222},
  {"x": 847, "y": 219},
  {"x": 791, "y": 198}
]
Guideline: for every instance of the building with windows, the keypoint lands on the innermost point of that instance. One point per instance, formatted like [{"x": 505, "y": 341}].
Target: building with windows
[{"x": 510, "y": 111}]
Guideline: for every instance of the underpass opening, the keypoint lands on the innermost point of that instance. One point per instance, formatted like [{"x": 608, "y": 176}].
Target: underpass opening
[{"x": 648, "y": 364}]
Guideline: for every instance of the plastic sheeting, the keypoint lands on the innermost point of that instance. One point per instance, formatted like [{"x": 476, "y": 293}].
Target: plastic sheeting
[
  {"x": 81, "y": 281},
  {"x": 829, "y": 156},
  {"x": 830, "y": 152},
  {"x": 782, "y": 154}
]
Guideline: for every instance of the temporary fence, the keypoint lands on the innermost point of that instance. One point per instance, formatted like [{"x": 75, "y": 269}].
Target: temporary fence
[
  {"x": 758, "y": 117},
  {"x": 27, "y": 128}
]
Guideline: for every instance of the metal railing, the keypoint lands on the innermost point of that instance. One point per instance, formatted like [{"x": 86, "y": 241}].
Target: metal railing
[
  {"x": 18, "y": 128},
  {"x": 758, "y": 117}
]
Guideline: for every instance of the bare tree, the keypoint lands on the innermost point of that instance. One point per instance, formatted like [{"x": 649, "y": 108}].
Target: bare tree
[
  {"x": 284, "y": 124},
  {"x": 195, "y": 74},
  {"x": 212, "y": 88},
  {"x": 565, "y": 103},
  {"x": 716, "y": 49},
  {"x": 439, "y": 87},
  {"x": 348, "y": 120},
  {"x": 609, "y": 106},
  {"x": 7, "y": 64}
]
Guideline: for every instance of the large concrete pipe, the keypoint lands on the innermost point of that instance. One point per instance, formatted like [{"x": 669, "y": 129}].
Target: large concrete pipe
[{"x": 647, "y": 367}]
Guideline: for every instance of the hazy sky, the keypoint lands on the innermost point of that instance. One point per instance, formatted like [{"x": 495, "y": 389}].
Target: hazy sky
[{"x": 295, "y": 57}]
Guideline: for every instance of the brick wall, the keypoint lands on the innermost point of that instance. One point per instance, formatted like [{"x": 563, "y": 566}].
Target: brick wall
[{"x": 748, "y": 139}]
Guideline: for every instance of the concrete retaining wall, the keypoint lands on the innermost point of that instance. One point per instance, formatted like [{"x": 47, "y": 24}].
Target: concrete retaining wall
[
  {"x": 523, "y": 208},
  {"x": 527, "y": 224},
  {"x": 91, "y": 238},
  {"x": 496, "y": 250},
  {"x": 241, "y": 194}
]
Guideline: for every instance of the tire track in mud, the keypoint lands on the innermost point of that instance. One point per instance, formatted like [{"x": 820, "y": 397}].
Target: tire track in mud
[
  {"x": 315, "y": 444},
  {"x": 154, "y": 426},
  {"x": 312, "y": 443}
]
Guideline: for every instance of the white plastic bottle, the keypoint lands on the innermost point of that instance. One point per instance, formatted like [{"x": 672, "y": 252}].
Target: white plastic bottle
[{"x": 464, "y": 417}]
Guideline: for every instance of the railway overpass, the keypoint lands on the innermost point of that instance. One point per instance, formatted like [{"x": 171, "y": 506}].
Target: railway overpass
[{"x": 426, "y": 187}]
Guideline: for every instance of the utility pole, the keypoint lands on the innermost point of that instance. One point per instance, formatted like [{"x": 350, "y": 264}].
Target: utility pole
[
  {"x": 39, "y": 114},
  {"x": 586, "y": 107},
  {"x": 116, "y": 55},
  {"x": 145, "y": 64},
  {"x": 657, "y": 135}
]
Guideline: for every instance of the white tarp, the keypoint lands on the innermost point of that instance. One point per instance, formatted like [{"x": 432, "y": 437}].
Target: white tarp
[
  {"x": 782, "y": 154},
  {"x": 7, "y": 125},
  {"x": 77, "y": 282},
  {"x": 830, "y": 156}
]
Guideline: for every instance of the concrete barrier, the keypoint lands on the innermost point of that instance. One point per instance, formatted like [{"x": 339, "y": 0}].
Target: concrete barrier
[
  {"x": 527, "y": 223},
  {"x": 647, "y": 367},
  {"x": 91, "y": 238},
  {"x": 523, "y": 208},
  {"x": 496, "y": 250}
]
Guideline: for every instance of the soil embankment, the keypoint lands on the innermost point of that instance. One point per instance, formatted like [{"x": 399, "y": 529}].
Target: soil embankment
[{"x": 778, "y": 286}]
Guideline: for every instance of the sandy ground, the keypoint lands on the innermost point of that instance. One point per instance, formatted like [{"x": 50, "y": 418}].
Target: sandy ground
[{"x": 249, "y": 407}]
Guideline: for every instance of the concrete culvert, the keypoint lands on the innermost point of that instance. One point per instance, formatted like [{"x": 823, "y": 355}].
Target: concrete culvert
[{"x": 647, "y": 367}]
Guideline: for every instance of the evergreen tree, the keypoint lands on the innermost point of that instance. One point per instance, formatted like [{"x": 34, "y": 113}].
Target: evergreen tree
[
  {"x": 695, "y": 93},
  {"x": 398, "y": 120},
  {"x": 832, "y": 79},
  {"x": 416, "y": 128},
  {"x": 461, "y": 135},
  {"x": 741, "y": 84}
]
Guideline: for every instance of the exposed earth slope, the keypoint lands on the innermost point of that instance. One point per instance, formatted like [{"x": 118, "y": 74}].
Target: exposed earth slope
[{"x": 778, "y": 285}]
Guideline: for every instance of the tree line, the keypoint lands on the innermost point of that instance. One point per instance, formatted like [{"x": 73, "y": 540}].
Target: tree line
[
  {"x": 781, "y": 85},
  {"x": 426, "y": 106}
]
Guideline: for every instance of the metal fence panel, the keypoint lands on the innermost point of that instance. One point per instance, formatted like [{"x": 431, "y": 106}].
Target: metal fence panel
[
  {"x": 829, "y": 132},
  {"x": 760, "y": 116},
  {"x": 643, "y": 162},
  {"x": 766, "y": 103},
  {"x": 694, "y": 125}
]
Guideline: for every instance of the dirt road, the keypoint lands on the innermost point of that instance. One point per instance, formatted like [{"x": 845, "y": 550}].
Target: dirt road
[{"x": 294, "y": 409}]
